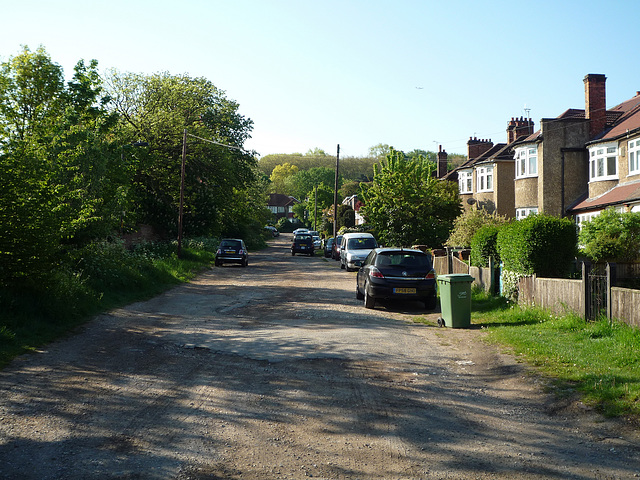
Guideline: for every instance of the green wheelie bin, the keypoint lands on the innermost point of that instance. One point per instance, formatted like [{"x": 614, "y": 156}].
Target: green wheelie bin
[{"x": 455, "y": 300}]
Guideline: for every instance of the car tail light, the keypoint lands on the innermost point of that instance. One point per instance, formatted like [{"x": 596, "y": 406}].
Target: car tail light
[
  {"x": 431, "y": 275},
  {"x": 374, "y": 272},
  {"x": 240, "y": 252},
  {"x": 219, "y": 251}
]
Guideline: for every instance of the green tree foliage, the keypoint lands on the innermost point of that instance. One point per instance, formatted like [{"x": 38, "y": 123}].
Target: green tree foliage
[
  {"x": 348, "y": 189},
  {"x": 612, "y": 236},
  {"x": 279, "y": 176},
  {"x": 157, "y": 109},
  {"x": 538, "y": 244},
  {"x": 406, "y": 205},
  {"x": 57, "y": 162},
  {"x": 468, "y": 223}
]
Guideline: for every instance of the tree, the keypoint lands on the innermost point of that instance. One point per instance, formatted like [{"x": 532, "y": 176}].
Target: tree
[
  {"x": 280, "y": 175},
  {"x": 611, "y": 236},
  {"x": 157, "y": 109},
  {"x": 380, "y": 151},
  {"x": 468, "y": 223},
  {"x": 57, "y": 163},
  {"x": 406, "y": 205}
]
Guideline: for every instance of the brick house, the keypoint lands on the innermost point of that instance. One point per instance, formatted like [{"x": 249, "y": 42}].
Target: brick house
[
  {"x": 485, "y": 180},
  {"x": 581, "y": 161},
  {"x": 282, "y": 206},
  {"x": 613, "y": 161}
]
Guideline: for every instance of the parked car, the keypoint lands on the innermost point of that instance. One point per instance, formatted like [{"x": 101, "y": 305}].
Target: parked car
[
  {"x": 317, "y": 242},
  {"x": 335, "y": 248},
  {"x": 302, "y": 243},
  {"x": 401, "y": 273},
  {"x": 328, "y": 246},
  {"x": 232, "y": 250},
  {"x": 354, "y": 248},
  {"x": 300, "y": 230},
  {"x": 273, "y": 230}
]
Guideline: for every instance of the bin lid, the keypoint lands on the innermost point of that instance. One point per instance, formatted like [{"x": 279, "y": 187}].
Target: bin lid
[{"x": 456, "y": 277}]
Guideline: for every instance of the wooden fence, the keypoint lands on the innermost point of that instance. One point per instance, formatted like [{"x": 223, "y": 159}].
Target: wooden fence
[{"x": 561, "y": 295}]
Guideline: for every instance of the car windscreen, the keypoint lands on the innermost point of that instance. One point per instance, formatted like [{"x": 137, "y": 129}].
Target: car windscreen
[
  {"x": 303, "y": 238},
  {"x": 361, "y": 243},
  {"x": 403, "y": 260}
]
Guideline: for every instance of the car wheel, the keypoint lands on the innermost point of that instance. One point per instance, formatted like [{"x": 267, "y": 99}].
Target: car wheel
[
  {"x": 342, "y": 265},
  {"x": 245, "y": 263},
  {"x": 359, "y": 295},
  {"x": 293, "y": 254},
  {"x": 369, "y": 301}
]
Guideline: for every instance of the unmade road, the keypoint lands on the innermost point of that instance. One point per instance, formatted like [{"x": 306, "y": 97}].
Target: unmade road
[{"x": 276, "y": 371}]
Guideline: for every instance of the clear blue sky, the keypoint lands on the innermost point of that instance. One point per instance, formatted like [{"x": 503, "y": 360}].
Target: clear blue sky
[{"x": 317, "y": 73}]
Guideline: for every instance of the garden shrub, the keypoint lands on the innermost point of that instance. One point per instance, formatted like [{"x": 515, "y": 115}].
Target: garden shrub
[
  {"x": 538, "y": 244},
  {"x": 483, "y": 246}
]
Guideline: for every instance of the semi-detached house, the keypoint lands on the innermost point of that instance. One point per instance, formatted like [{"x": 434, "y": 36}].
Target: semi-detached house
[{"x": 576, "y": 164}]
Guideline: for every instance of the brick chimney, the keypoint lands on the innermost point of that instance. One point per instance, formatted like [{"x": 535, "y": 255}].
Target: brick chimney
[
  {"x": 476, "y": 147},
  {"x": 442, "y": 163},
  {"x": 595, "y": 102},
  {"x": 518, "y": 128}
]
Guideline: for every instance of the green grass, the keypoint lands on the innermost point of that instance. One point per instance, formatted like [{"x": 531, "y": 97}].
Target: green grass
[
  {"x": 597, "y": 361},
  {"x": 88, "y": 281}
]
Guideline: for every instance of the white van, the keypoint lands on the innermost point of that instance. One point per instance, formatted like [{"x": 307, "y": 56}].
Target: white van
[{"x": 354, "y": 248}]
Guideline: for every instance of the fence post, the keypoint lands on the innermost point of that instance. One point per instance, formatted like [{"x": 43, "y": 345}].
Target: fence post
[
  {"x": 612, "y": 271},
  {"x": 586, "y": 267},
  {"x": 449, "y": 260}
]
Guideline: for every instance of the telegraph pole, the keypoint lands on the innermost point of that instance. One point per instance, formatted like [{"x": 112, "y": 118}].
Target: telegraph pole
[
  {"x": 180, "y": 209},
  {"x": 335, "y": 196}
]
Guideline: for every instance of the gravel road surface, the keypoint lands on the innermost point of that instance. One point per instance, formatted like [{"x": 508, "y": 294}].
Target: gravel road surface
[{"x": 276, "y": 371}]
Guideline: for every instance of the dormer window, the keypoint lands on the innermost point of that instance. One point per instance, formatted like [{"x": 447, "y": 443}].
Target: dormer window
[
  {"x": 634, "y": 156},
  {"x": 526, "y": 161},
  {"x": 603, "y": 162},
  {"x": 465, "y": 181}
]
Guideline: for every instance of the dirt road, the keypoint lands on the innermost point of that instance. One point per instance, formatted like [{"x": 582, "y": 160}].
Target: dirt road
[{"x": 276, "y": 371}]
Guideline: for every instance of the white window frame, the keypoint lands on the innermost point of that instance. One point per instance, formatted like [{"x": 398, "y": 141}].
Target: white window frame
[
  {"x": 526, "y": 158},
  {"x": 633, "y": 148},
  {"x": 603, "y": 162},
  {"x": 484, "y": 179},
  {"x": 582, "y": 218},
  {"x": 465, "y": 181},
  {"x": 525, "y": 212}
]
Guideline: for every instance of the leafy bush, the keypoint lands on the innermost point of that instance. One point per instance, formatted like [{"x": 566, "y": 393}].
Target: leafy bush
[
  {"x": 483, "y": 246},
  {"x": 466, "y": 225},
  {"x": 612, "y": 236},
  {"x": 538, "y": 244}
]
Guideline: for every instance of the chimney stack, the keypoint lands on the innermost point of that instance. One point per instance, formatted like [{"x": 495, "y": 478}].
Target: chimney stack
[
  {"x": 519, "y": 128},
  {"x": 595, "y": 109},
  {"x": 442, "y": 162},
  {"x": 476, "y": 147}
]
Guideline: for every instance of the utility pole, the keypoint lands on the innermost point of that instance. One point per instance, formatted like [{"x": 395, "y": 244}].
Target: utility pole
[
  {"x": 180, "y": 209},
  {"x": 335, "y": 196},
  {"x": 315, "y": 214}
]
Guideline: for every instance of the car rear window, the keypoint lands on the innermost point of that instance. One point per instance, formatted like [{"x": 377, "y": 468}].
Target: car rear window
[
  {"x": 230, "y": 244},
  {"x": 402, "y": 260}
]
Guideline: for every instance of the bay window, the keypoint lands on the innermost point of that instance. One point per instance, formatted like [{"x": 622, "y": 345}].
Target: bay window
[
  {"x": 603, "y": 162},
  {"x": 465, "y": 181},
  {"x": 484, "y": 176},
  {"x": 526, "y": 161},
  {"x": 634, "y": 156}
]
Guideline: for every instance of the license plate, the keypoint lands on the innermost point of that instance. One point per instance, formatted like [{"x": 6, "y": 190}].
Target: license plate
[
  {"x": 229, "y": 251},
  {"x": 404, "y": 290}
]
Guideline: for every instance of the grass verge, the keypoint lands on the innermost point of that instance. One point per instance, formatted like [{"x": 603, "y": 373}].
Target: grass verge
[
  {"x": 94, "y": 279},
  {"x": 599, "y": 361}
]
